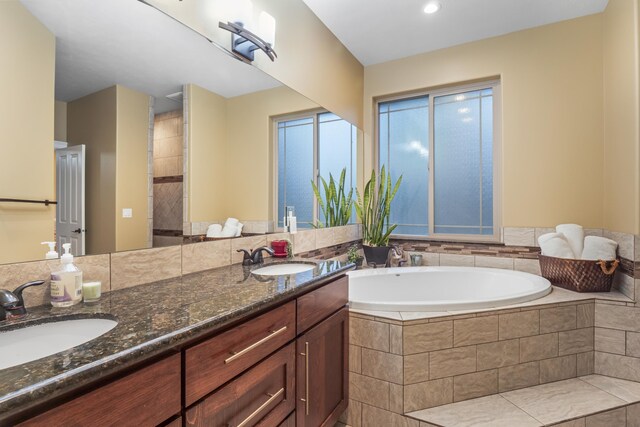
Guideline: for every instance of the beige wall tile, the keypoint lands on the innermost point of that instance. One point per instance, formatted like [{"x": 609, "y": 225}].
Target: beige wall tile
[
  {"x": 355, "y": 359},
  {"x": 618, "y": 366},
  {"x": 515, "y": 325},
  {"x": 538, "y": 347},
  {"x": 558, "y": 368},
  {"x": 518, "y": 376},
  {"x": 585, "y": 315},
  {"x": 353, "y": 415},
  {"x": 416, "y": 368},
  {"x": 205, "y": 255},
  {"x": 304, "y": 241},
  {"x": 325, "y": 237},
  {"x": 454, "y": 361},
  {"x": 576, "y": 341},
  {"x": 14, "y": 275},
  {"x": 249, "y": 243},
  {"x": 633, "y": 344},
  {"x": 396, "y": 398},
  {"x": 395, "y": 339},
  {"x": 557, "y": 319},
  {"x": 475, "y": 331},
  {"x": 494, "y": 262},
  {"x": 616, "y": 417},
  {"x": 94, "y": 268},
  {"x": 382, "y": 365},
  {"x": 584, "y": 363},
  {"x": 427, "y": 337},
  {"x": 519, "y": 236},
  {"x": 369, "y": 333},
  {"x": 428, "y": 394},
  {"x": 625, "y": 284},
  {"x": 580, "y": 422},
  {"x": 144, "y": 266},
  {"x": 610, "y": 340},
  {"x": 633, "y": 415},
  {"x": 474, "y": 385},
  {"x": 618, "y": 317},
  {"x": 457, "y": 260},
  {"x": 498, "y": 354},
  {"x": 527, "y": 265},
  {"x": 372, "y": 416},
  {"x": 369, "y": 390}
]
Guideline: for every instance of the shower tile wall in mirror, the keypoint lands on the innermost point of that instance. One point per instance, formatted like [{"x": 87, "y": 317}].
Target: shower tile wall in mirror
[{"x": 158, "y": 134}]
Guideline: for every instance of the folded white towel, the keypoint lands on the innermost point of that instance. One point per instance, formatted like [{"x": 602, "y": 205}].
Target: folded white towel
[
  {"x": 214, "y": 230},
  {"x": 555, "y": 245},
  {"x": 229, "y": 231},
  {"x": 239, "y": 229},
  {"x": 575, "y": 236},
  {"x": 231, "y": 222},
  {"x": 599, "y": 248}
]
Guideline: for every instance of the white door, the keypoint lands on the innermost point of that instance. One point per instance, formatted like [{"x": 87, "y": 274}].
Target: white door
[{"x": 70, "y": 219}]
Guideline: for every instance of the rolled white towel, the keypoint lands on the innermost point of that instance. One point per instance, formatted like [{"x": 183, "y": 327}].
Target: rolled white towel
[
  {"x": 214, "y": 230},
  {"x": 239, "y": 229},
  {"x": 231, "y": 222},
  {"x": 229, "y": 231},
  {"x": 555, "y": 245},
  {"x": 599, "y": 248},
  {"x": 575, "y": 236}
]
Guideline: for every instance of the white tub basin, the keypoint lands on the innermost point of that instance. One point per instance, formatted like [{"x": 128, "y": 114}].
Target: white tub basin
[
  {"x": 24, "y": 345},
  {"x": 283, "y": 269}
]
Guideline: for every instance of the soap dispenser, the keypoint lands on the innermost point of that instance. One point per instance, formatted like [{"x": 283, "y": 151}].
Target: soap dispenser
[
  {"x": 52, "y": 254},
  {"x": 66, "y": 282}
]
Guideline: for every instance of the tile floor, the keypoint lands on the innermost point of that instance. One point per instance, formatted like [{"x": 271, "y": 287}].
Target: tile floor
[{"x": 592, "y": 400}]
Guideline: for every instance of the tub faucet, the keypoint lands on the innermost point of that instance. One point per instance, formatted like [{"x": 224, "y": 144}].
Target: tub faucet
[
  {"x": 12, "y": 303},
  {"x": 395, "y": 254},
  {"x": 255, "y": 257}
]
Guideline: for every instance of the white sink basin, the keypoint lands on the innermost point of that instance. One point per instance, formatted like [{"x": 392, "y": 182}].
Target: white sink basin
[
  {"x": 283, "y": 269},
  {"x": 24, "y": 345}
]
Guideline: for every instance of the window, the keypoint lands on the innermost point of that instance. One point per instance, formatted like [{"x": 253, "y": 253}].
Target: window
[
  {"x": 444, "y": 146},
  {"x": 310, "y": 146}
]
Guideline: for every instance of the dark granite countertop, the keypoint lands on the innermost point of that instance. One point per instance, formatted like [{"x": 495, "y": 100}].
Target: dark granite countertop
[{"x": 152, "y": 319}]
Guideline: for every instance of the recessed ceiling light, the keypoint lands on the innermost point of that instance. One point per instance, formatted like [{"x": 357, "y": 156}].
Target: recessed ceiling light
[{"x": 432, "y": 7}]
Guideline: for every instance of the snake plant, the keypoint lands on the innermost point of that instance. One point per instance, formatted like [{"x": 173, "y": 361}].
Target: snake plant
[
  {"x": 374, "y": 208},
  {"x": 337, "y": 205}
]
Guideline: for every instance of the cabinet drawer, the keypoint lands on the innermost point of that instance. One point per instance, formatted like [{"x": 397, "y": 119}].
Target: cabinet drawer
[
  {"x": 290, "y": 421},
  {"x": 147, "y": 397},
  {"x": 321, "y": 303},
  {"x": 212, "y": 363},
  {"x": 262, "y": 396}
]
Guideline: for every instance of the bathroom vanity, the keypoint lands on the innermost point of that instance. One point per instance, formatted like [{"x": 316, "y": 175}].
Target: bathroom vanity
[{"x": 285, "y": 364}]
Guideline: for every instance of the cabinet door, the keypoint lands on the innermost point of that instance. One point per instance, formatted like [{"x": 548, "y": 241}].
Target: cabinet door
[{"x": 322, "y": 374}]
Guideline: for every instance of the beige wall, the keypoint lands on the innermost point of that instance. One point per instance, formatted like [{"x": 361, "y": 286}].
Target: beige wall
[
  {"x": 621, "y": 141},
  {"x": 92, "y": 120},
  {"x": 206, "y": 180},
  {"x": 552, "y": 148},
  {"x": 132, "y": 182},
  {"x": 26, "y": 120},
  {"x": 60, "y": 121},
  {"x": 311, "y": 60}
]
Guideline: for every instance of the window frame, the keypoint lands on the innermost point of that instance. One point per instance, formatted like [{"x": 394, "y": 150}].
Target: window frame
[
  {"x": 314, "y": 114},
  {"x": 495, "y": 85}
]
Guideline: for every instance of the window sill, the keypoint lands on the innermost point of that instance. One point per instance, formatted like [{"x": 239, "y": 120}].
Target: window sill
[{"x": 488, "y": 240}]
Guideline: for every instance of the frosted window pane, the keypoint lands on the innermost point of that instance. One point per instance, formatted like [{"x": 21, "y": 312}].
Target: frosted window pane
[
  {"x": 404, "y": 142},
  {"x": 295, "y": 169}
]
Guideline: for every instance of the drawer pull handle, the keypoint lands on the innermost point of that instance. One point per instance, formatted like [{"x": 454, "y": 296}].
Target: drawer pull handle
[
  {"x": 234, "y": 355},
  {"x": 261, "y": 408},
  {"x": 306, "y": 377}
]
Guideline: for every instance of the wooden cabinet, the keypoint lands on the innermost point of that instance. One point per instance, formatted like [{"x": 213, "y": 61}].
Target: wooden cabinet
[
  {"x": 322, "y": 372},
  {"x": 147, "y": 397},
  {"x": 321, "y": 303},
  {"x": 264, "y": 395}
]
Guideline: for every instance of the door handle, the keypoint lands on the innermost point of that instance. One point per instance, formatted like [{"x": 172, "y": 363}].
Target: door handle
[{"x": 79, "y": 230}]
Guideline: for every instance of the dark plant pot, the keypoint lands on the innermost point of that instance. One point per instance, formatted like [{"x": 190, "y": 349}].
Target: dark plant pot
[
  {"x": 358, "y": 262},
  {"x": 376, "y": 254}
]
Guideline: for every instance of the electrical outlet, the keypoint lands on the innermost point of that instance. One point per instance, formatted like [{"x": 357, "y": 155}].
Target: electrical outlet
[{"x": 127, "y": 213}]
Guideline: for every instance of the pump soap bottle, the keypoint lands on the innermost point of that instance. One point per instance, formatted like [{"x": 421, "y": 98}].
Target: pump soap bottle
[
  {"x": 52, "y": 254},
  {"x": 66, "y": 283}
]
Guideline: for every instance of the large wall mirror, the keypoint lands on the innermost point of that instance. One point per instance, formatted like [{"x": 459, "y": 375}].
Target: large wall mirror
[{"x": 159, "y": 134}]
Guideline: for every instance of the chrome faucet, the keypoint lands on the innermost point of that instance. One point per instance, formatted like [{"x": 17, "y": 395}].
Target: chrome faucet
[
  {"x": 12, "y": 303},
  {"x": 255, "y": 257},
  {"x": 396, "y": 254}
]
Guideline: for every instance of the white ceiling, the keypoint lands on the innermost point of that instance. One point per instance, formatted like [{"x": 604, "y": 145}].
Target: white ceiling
[
  {"x": 382, "y": 30},
  {"x": 103, "y": 42}
]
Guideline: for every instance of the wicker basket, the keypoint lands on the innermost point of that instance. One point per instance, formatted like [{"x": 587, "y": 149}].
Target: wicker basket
[{"x": 577, "y": 274}]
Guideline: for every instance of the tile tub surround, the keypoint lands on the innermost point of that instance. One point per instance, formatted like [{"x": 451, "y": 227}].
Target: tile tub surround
[{"x": 152, "y": 319}]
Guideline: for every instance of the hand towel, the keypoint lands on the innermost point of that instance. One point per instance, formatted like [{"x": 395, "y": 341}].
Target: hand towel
[
  {"x": 555, "y": 245},
  {"x": 575, "y": 236},
  {"x": 239, "y": 229},
  {"x": 231, "y": 222},
  {"x": 599, "y": 248},
  {"x": 229, "y": 231},
  {"x": 214, "y": 230}
]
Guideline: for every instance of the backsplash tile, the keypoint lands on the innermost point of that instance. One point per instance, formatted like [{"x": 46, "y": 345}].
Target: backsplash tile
[
  {"x": 206, "y": 255},
  {"x": 143, "y": 266},
  {"x": 519, "y": 236},
  {"x": 249, "y": 243},
  {"x": 304, "y": 241}
]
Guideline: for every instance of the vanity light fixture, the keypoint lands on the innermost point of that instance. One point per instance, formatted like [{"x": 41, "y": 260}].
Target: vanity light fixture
[
  {"x": 432, "y": 7},
  {"x": 244, "y": 42}
]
